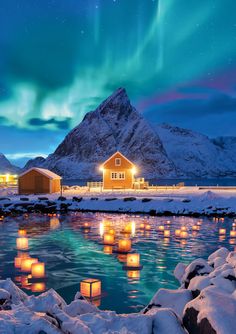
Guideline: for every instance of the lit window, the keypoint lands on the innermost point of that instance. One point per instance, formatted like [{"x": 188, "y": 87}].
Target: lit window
[
  {"x": 117, "y": 162},
  {"x": 117, "y": 175}
]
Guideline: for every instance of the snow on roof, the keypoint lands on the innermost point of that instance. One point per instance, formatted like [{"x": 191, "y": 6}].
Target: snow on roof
[
  {"x": 117, "y": 152},
  {"x": 43, "y": 171}
]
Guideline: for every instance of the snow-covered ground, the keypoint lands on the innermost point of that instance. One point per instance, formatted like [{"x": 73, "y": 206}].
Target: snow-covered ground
[
  {"x": 204, "y": 303},
  {"x": 182, "y": 201}
]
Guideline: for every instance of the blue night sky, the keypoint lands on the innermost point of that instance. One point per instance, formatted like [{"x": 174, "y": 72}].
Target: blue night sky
[{"x": 60, "y": 58}]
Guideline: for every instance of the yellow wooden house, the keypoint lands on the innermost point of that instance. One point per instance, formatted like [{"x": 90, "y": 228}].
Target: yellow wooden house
[{"x": 118, "y": 172}]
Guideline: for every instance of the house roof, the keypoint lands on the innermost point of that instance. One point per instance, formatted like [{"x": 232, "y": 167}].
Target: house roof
[
  {"x": 45, "y": 172},
  {"x": 113, "y": 155}
]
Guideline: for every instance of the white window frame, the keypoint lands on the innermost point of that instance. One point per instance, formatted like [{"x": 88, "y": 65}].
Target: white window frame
[
  {"x": 117, "y": 161},
  {"x": 117, "y": 176}
]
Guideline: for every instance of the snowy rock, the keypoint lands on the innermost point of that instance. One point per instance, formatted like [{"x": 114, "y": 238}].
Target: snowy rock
[
  {"x": 4, "y": 296},
  {"x": 78, "y": 307},
  {"x": 166, "y": 322},
  {"x": 221, "y": 252},
  {"x": 231, "y": 258},
  {"x": 196, "y": 268},
  {"x": 174, "y": 299},
  {"x": 212, "y": 311},
  {"x": 198, "y": 283},
  {"x": 179, "y": 271},
  {"x": 16, "y": 295},
  {"x": 45, "y": 302}
]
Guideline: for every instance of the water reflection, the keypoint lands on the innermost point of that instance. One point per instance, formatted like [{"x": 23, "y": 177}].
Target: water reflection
[{"x": 76, "y": 246}]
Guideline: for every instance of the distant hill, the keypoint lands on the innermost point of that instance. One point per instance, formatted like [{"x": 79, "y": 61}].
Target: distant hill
[
  {"x": 7, "y": 167},
  {"x": 161, "y": 151}
]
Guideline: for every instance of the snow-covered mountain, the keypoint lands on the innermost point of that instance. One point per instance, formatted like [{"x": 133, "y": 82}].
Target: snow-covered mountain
[
  {"x": 196, "y": 155},
  {"x": 6, "y": 166},
  {"x": 161, "y": 151},
  {"x": 114, "y": 125}
]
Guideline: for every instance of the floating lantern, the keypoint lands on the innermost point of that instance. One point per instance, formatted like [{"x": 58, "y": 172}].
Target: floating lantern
[
  {"x": 112, "y": 231},
  {"x": 19, "y": 258},
  {"x": 147, "y": 227},
  {"x": 168, "y": 222},
  {"x": 22, "y": 243},
  {"x": 233, "y": 234},
  {"x": 199, "y": 223},
  {"x": 167, "y": 233},
  {"x": 142, "y": 226},
  {"x": 183, "y": 234},
  {"x": 222, "y": 231},
  {"x": 38, "y": 287},
  {"x": 161, "y": 228},
  {"x": 183, "y": 228},
  {"x": 122, "y": 257},
  {"x": 25, "y": 282},
  {"x": 107, "y": 249},
  {"x": 86, "y": 225},
  {"x": 124, "y": 245},
  {"x": 128, "y": 229},
  {"x": 90, "y": 288},
  {"x": 133, "y": 262},
  {"x": 108, "y": 239},
  {"x": 38, "y": 270},
  {"x": 134, "y": 274},
  {"x": 234, "y": 224},
  {"x": 27, "y": 263},
  {"x": 195, "y": 228},
  {"x": 177, "y": 232},
  {"x": 22, "y": 233}
]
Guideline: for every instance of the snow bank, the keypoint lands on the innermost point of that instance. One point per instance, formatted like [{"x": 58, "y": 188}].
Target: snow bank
[{"x": 205, "y": 303}]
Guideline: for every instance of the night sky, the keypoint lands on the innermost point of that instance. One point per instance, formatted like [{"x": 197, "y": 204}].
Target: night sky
[{"x": 60, "y": 58}]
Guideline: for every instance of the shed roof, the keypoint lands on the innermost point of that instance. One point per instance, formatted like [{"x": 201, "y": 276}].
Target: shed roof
[
  {"x": 45, "y": 172},
  {"x": 117, "y": 153}
]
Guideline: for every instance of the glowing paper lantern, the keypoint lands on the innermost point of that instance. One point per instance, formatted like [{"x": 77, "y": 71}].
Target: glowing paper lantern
[
  {"x": 108, "y": 239},
  {"x": 222, "y": 231},
  {"x": 54, "y": 223},
  {"x": 133, "y": 260},
  {"x": 166, "y": 233},
  {"x": 112, "y": 231},
  {"x": 38, "y": 270},
  {"x": 22, "y": 243},
  {"x": 128, "y": 229},
  {"x": 233, "y": 234},
  {"x": 90, "y": 288},
  {"x": 27, "y": 263},
  {"x": 86, "y": 225},
  {"x": 183, "y": 228},
  {"x": 147, "y": 227},
  {"x": 161, "y": 228},
  {"x": 124, "y": 245},
  {"x": 142, "y": 226},
  {"x": 195, "y": 228},
  {"x": 177, "y": 232},
  {"x": 183, "y": 234},
  {"x": 19, "y": 258}
]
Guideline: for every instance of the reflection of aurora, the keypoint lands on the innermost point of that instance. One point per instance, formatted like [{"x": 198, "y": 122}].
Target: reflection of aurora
[{"x": 70, "y": 257}]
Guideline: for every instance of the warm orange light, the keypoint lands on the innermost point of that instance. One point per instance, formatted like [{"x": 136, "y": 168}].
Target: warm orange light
[
  {"x": 124, "y": 245},
  {"x": 222, "y": 231},
  {"x": 112, "y": 231},
  {"x": 183, "y": 234},
  {"x": 199, "y": 223},
  {"x": 166, "y": 233},
  {"x": 195, "y": 228},
  {"x": 25, "y": 282},
  {"x": 133, "y": 260},
  {"x": 38, "y": 287},
  {"x": 22, "y": 243},
  {"x": 147, "y": 227},
  {"x": 22, "y": 233},
  {"x": 108, "y": 239},
  {"x": 134, "y": 170},
  {"x": 128, "y": 229},
  {"x": 54, "y": 223},
  {"x": 142, "y": 226},
  {"x": 161, "y": 228},
  {"x": 177, "y": 232},
  {"x": 18, "y": 259},
  {"x": 183, "y": 228},
  {"x": 38, "y": 270},
  {"x": 90, "y": 288},
  {"x": 27, "y": 263},
  {"x": 86, "y": 225},
  {"x": 233, "y": 234},
  {"x": 133, "y": 274},
  {"x": 101, "y": 169},
  {"x": 107, "y": 249}
]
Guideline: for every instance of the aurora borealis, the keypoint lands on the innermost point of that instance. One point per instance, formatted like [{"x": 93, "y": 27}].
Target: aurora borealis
[{"x": 60, "y": 58}]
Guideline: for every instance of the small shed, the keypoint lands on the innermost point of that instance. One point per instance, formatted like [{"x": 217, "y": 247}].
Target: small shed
[
  {"x": 38, "y": 181},
  {"x": 118, "y": 172}
]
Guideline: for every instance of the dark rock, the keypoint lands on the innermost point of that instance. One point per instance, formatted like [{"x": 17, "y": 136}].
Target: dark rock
[
  {"x": 129, "y": 199},
  {"x": 193, "y": 327},
  {"x": 146, "y": 200},
  {"x": 77, "y": 199},
  {"x": 61, "y": 198}
]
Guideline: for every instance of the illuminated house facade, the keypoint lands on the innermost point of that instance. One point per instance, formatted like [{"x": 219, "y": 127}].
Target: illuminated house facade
[{"x": 118, "y": 172}]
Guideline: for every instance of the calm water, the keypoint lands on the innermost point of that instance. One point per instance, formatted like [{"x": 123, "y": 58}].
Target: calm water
[{"x": 71, "y": 254}]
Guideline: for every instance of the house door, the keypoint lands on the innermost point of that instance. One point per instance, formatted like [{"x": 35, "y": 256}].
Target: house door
[{"x": 39, "y": 184}]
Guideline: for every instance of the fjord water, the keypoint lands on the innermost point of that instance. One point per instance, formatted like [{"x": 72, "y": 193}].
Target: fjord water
[{"x": 72, "y": 253}]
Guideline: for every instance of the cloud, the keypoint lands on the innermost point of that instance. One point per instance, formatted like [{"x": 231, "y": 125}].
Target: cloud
[{"x": 59, "y": 124}]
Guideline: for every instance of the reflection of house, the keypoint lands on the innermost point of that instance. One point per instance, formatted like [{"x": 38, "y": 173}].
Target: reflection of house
[
  {"x": 39, "y": 181},
  {"x": 118, "y": 172}
]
